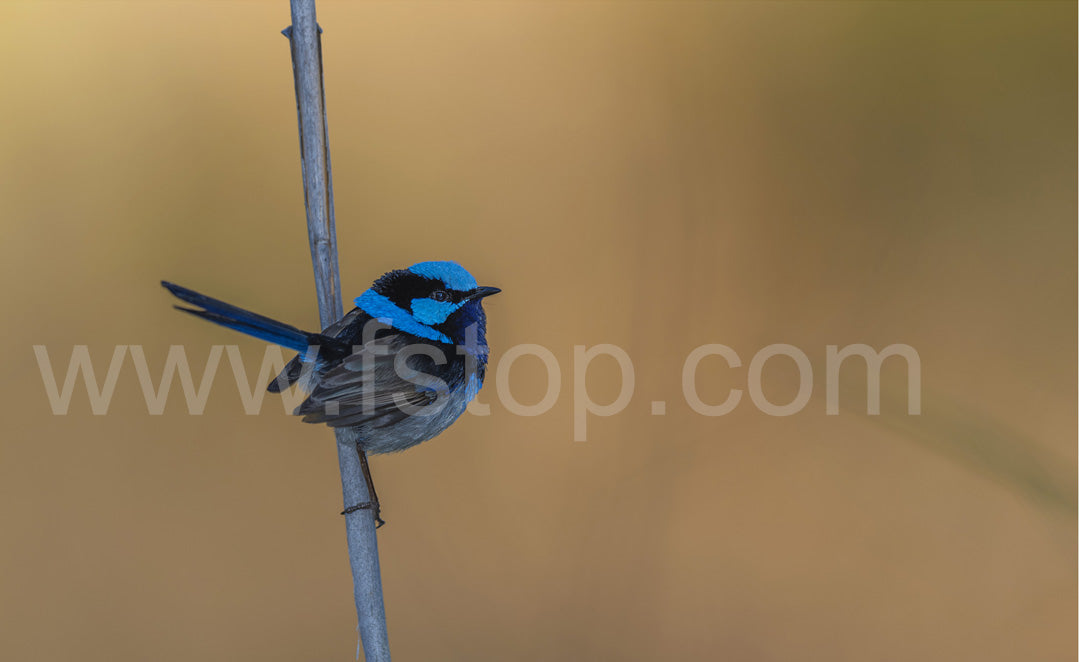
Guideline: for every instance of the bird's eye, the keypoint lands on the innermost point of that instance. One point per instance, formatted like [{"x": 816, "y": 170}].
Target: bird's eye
[{"x": 440, "y": 295}]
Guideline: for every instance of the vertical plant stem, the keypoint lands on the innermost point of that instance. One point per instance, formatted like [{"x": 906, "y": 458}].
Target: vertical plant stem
[{"x": 318, "y": 199}]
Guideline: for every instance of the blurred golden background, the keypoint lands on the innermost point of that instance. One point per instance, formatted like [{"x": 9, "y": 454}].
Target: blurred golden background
[{"x": 653, "y": 175}]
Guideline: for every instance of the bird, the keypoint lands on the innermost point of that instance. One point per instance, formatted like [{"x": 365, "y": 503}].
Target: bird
[{"x": 396, "y": 370}]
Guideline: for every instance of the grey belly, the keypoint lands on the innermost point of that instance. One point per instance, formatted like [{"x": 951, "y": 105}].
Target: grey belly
[{"x": 414, "y": 429}]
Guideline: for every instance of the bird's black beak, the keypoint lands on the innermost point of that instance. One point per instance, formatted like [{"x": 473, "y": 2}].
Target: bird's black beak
[{"x": 481, "y": 292}]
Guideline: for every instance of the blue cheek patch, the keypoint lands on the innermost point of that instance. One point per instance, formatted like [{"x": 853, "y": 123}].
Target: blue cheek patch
[
  {"x": 431, "y": 312},
  {"x": 387, "y": 312}
]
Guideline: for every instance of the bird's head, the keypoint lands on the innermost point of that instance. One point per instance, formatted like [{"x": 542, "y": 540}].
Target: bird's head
[{"x": 434, "y": 300}]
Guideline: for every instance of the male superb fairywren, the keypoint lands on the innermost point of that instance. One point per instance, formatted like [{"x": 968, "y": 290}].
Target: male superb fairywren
[{"x": 397, "y": 370}]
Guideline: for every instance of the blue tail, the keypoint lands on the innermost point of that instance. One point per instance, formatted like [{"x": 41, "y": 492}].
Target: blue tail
[{"x": 242, "y": 320}]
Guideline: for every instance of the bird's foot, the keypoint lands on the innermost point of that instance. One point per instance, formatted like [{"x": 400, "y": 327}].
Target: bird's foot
[{"x": 367, "y": 505}]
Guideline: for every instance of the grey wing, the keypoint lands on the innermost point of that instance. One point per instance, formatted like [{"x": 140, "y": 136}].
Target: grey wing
[
  {"x": 289, "y": 376},
  {"x": 369, "y": 389},
  {"x": 294, "y": 368}
]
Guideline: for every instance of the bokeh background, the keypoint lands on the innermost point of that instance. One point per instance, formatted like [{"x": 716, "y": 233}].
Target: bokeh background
[{"x": 650, "y": 174}]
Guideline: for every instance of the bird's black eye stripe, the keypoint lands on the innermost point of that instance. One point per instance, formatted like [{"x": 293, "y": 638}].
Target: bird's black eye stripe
[{"x": 403, "y": 287}]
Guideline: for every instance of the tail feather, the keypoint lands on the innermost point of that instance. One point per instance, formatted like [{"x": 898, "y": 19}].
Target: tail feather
[{"x": 242, "y": 320}]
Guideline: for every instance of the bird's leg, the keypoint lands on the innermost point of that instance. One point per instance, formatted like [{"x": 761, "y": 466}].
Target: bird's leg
[
  {"x": 370, "y": 487},
  {"x": 373, "y": 503}
]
